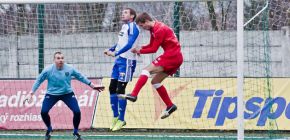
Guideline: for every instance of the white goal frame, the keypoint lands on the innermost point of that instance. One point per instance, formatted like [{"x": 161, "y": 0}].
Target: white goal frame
[{"x": 240, "y": 43}]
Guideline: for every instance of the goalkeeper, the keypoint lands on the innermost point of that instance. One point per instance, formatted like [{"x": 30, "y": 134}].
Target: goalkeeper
[{"x": 59, "y": 87}]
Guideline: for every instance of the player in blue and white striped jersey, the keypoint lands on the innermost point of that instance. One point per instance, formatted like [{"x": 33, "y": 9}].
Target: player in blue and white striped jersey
[{"x": 124, "y": 66}]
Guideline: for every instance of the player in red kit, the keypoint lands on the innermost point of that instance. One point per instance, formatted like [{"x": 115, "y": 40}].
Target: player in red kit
[{"x": 163, "y": 66}]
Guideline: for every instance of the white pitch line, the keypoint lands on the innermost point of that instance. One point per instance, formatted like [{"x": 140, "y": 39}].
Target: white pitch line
[{"x": 149, "y": 136}]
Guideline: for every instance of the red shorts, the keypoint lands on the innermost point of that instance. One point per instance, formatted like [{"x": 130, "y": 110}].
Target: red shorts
[{"x": 170, "y": 64}]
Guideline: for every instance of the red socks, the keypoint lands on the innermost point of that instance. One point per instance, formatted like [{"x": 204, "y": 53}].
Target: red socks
[
  {"x": 140, "y": 83},
  {"x": 164, "y": 96},
  {"x": 160, "y": 88}
]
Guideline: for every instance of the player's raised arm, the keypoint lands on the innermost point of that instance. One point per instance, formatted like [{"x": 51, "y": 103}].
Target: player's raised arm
[
  {"x": 41, "y": 77},
  {"x": 79, "y": 76},
  {"x": 112, "y": 49},
  {"x": 132, "y": 36},
  {"x": 154, "y": 44},
  {"x": 148, "y": 45}
]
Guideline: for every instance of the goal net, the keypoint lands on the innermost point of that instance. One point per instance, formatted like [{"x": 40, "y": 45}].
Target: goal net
[{"x": 204, "y": 88}]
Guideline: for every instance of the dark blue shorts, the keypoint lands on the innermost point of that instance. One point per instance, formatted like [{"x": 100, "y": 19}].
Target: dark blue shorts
[
  {"x": 69, "y": 99},
  {"x": 123, "y": 69}
]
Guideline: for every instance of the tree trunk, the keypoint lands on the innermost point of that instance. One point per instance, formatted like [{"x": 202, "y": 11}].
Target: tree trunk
[{"x": 212, "y": 15}]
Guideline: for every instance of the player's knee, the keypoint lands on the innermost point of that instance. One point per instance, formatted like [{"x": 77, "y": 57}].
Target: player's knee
[
  {"x": 113, "y": 86},
  {"x": 145, "y": 72},
  {"x": 44, "y": 113},
  {"x": 77, "y": 113},
  {"x": 156, "y": 85},
  {"x": 154, "y": 81},
  {"x": 121, "y": 87}
]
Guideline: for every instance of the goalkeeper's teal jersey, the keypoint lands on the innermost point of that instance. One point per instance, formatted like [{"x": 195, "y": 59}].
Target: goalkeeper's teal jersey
[{"x": 59, "y": 81}]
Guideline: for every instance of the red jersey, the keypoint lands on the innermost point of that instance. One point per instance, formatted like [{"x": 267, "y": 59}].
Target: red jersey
[{"x": 162, "y": 35}]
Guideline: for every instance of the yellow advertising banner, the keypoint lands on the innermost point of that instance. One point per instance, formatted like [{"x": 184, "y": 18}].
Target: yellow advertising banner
[{"x": 204, "y": 103}]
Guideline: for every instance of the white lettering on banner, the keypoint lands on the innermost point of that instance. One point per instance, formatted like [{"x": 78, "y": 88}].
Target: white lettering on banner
[
  {"x": 16, "y": 100},
  {"x": 25, "y": 117},
  {"x": 92, "y": 98},
  {"x": 3, "y": 100},
  {"x": 19, "y": 117},
  {"x": 40, "y": 100},
  {"x": 3, "y": 118}
]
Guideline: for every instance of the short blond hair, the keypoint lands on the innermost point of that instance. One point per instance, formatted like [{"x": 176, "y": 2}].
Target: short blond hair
[{"x": 56, "y": 54}]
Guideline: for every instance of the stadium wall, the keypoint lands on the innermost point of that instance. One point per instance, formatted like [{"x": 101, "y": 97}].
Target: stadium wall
[{"x": 19, "y": 54}]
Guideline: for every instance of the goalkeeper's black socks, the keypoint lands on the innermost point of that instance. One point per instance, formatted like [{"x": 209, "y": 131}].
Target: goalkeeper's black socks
[
  {"x": 47, "y": 134},
  {"x": 77, "y": 136}
]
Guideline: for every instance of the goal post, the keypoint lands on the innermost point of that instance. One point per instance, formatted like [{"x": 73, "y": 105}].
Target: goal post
[{"x": 240, "y": 69}]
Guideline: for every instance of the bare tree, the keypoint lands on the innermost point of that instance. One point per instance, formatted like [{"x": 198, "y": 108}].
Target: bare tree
[
  {"x": 225, "y": 13},
  {"x": 212, "y": 15}
]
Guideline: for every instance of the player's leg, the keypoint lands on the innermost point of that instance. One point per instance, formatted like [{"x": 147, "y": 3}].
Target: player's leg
[
  {"x": 48, "y": 102},
  {"x": 151, "y": 69},
  {"x": 113, "y": 97},
  {"x": 71, "y": 101},
  {"x": 126, "y": 70},
  {"x": 114, "y": 101},
  {"x": 122, "y": 102},
  {"x": 113, "y": 94},
  {"x": 156, "y": 82},
  {"x": 122, "y": 106}
]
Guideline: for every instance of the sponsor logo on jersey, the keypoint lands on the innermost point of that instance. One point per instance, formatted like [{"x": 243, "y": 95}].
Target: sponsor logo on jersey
[{"x": 121, "y": 33}]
